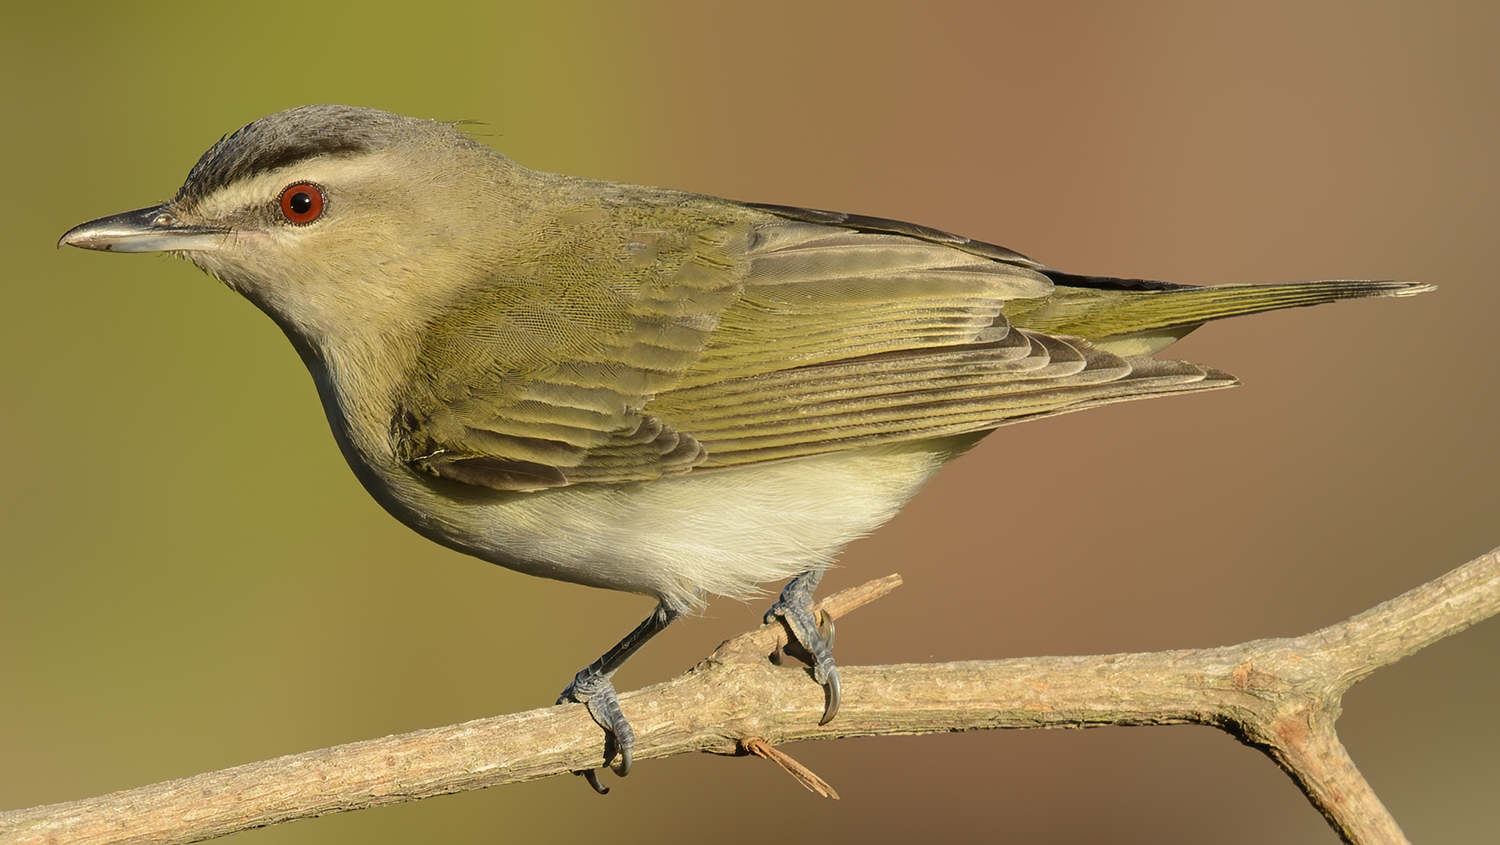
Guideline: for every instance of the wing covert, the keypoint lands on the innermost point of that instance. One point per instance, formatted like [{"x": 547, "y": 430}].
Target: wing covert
[{"x": 541, "y": 376}]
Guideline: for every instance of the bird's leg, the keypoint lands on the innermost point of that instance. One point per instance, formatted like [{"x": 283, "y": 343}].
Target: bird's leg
[
  {"x": 795, "y": 608},
  {"x": 592, "y": 688}
]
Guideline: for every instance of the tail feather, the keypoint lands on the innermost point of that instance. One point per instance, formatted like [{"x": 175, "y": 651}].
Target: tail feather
[{"x": 1131, "y": 316}]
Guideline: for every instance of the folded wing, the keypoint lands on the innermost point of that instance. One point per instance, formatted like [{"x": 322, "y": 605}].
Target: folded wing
[{"x": 756, "y": 337}]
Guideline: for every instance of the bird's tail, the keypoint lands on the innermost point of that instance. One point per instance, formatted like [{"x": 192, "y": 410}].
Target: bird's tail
[{"x": 1137, "y": 317}]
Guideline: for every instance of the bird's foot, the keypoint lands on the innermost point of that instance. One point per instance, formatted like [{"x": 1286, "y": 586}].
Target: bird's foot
[
  {"x": 593, "y": 689},
  {"x": 795, "y": 608}
]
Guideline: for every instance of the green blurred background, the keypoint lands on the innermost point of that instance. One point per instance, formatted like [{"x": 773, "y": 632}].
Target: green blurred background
[{"x": 192, "y": 578}]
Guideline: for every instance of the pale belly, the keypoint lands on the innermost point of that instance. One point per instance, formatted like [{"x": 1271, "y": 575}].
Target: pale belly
[{"x": 724, "y": 532}]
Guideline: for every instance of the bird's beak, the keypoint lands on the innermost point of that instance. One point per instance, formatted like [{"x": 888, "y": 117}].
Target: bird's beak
[{"x": 154, "y": 229}]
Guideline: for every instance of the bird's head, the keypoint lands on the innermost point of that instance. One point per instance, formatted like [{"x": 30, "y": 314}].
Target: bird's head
[{"x": 329, "y": 217}]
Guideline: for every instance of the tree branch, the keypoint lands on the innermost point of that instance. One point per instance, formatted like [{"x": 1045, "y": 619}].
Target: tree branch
[{"x": 1279, "y": 695}]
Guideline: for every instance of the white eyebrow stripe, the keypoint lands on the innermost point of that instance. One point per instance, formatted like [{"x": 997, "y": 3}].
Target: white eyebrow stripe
[{"x": 327, "y": 171}]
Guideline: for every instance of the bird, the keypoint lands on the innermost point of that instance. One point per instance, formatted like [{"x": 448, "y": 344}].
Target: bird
[{"x": 650, "y": 390}]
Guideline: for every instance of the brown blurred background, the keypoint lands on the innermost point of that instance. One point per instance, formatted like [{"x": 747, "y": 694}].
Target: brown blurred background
[{"x": 192, "y": 578}]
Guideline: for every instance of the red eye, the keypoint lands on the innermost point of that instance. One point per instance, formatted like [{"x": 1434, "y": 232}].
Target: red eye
[{"x": 302, "y": 203}]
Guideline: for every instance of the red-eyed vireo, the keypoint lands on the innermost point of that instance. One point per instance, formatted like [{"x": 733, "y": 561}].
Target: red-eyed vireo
[{"x": 642, "y": 389}]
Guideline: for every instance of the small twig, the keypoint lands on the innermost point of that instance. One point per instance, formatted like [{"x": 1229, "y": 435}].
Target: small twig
[
  {"x": 753, "y": 646},
  {"x": 802, "y": 774},
  {"x": 1280, "y": 695}
]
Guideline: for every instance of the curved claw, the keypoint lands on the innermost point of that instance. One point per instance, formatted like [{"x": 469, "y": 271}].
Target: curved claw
[
  {"x": 825, "y": 627},
  {"x": 831, "y": 686},
  {"x": 622, "y": 768},
  {"x": 592, "y": 776},
  {"x": 835, "y": 694}
]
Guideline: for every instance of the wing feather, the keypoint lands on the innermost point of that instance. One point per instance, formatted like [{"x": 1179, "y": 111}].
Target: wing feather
[{"x": 640, "y": 341}]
